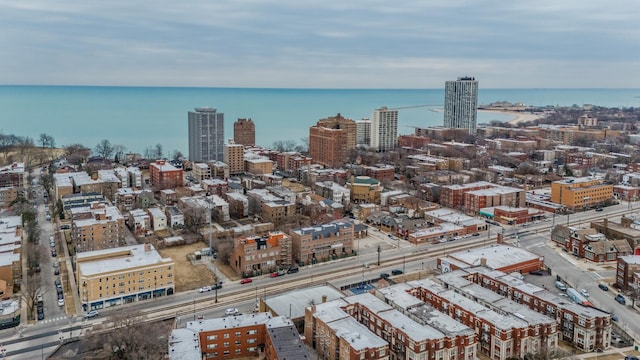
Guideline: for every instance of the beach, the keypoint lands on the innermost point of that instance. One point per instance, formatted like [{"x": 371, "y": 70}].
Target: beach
[{"x": 518, "y": 116}]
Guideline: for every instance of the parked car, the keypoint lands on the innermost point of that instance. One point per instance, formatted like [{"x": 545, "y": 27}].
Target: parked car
[
  {"x": 58, "y": 284},
  {"x": 246, "y": 281},
  {"x": 60, "y": 302},
  {"x": 396, "y": 272},
  {"x": 216, "y": 287},
  {"x": 292, "y": 270},
  {"x": 536, "y": 272},
  {"x": 231, "y": 311},
  {"x": 204, "y": 289},
  {"x": 476, "y": 234},
  {"x": 91, "y": 314},
  {"x": 384, "y": 276},
  {"x": 620, "y": 298},
  {"x": 54, "y": 253},
  {"x": 614, "y": 317},
  {"x": 561, "y": 286},
  {"x": 603, "y": 287},
  {"x": 274, "y": 274},
  {"x": 584, "y": 292},
  {"x": 56, "y": 271},
  {"x": 56, "y": 264},
  {"x": 599, "y": 209},
  {"x": 41, "y": 315}
]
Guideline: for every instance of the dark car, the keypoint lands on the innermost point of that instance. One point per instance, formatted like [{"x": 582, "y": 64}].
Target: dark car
[
  {"x": 56, "y": 271},
  {"x": 384, "y": 276},
  {"x": 292, "y": 270},
  {"x": 603, "y": 287},
  {"x": 41, "y": 315},
  {"x": 614, "y": 317},
  {"x": 216, "y": 287},
  {"x": 629, "y": 357},
  {"x": 599, "y": 209},
  {"x": 536, "y": 272},
  {"x": 53, "y": 253},
  {"x": 397, "y": 272}
]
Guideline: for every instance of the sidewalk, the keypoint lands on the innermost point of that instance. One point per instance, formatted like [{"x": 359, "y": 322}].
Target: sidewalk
[{"x": 613, "y": 353}]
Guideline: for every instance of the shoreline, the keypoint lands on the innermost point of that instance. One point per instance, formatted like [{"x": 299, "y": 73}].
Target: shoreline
[{"x": 518, "y": 117}]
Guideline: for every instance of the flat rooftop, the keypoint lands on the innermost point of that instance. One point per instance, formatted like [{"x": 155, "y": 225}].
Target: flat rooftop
[
  {"x": 293, "y": 303},
  {"x": 497, "y": 256},
  {"x": 118, "y": 259}
]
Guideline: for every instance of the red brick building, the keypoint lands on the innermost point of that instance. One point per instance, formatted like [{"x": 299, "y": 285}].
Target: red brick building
[
  {"x": 626, "y": 268},
  {"x": 165, "y": 175}
]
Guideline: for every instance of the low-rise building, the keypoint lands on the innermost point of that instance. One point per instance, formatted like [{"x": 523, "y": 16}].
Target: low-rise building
[
  {"x": 175, "y": 217},
  {"x": 164, "y": 175},
  {"x": 322, "y": 243},
  {"x": 122, "y": 275},
  {"x": 257, "y": 255},
  {"x": 581, "y": 193},
  {"x": 497, "y": 257},
  {"x": 365, "y": 190},
  {"x": 239, "y": 336},
  {"x": 200, "y": 171},
  {"x": 588, "y": 243},
  {"x": 627, "y": 266},
  {"x": 97, "y": 226},
  {"x": 158, "y": 219}
]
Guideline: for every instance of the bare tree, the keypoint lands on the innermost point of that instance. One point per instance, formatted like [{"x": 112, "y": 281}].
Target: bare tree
[
  {"x": 134, "y": 338},
  {"x": 194, "y": 218},
  {"x": 104, "y": 149},
  {"x": 119, "y": 151},
  {"x": 29, "y": 293},
  {"x": 46, "y": 140},
  {"x": 158, "y": 151},
  {"x": 76, "y": 154},
  {"x": 224, "y": 248}
]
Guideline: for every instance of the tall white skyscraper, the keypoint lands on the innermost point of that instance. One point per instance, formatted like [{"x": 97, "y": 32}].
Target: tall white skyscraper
[
  {"x": 363, "y": 132},
  {"x": 461, "y": 104},
  {"x": 206, "y": 135},
  {"x": 384, "y": 129}
]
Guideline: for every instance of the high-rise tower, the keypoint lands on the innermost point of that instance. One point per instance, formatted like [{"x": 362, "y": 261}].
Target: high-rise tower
[
  {"x": 384, "y": 129},
  {"x": 244, "y": 132},
  {"x": 206, "y": 135},
  {"x": 461, "y": 104}
]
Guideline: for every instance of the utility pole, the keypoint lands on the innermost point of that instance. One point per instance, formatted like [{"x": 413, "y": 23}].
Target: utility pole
[{"x": 379, "y": 250}]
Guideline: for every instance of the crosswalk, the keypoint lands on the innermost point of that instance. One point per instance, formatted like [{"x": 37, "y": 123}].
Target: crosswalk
[{"x": 52, "y": 320}]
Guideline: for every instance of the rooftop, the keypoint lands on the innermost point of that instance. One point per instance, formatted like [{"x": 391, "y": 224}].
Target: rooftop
[
  {"x": 118, "y": 259},
  {"x": 293, "y": 303},
  {"x": 238, "y": 321},
  {"x": 357, "y": 335},
  {"x": 497, "y": 256}
]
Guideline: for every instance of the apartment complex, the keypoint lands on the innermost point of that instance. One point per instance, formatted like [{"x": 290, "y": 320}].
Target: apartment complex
[
  {"x": 234, "y": 157},
  {"x": 586, "y": 328},
  {"x": 331, "y": 140},
  {"x": 322, "y": 243},
  {"x": 206, "y": 135},
  {"x": 365, "y": 190},
  {"x": 461, "y": 104},
  {"x": 626, "y": 267},
  {"x": 11, "y": 232},
  {"x": 384, "y": 129},
  {"x": 475, "y": 196},
  {"x": 363, "y": 132},
  {"x": 244, "y": 132},
  {"x": 257, "y": 335},
  {"x": 497, "y": 257},
  {"x": 12, "y": 175},
  {"x": 581, "y": 193},
  {"x": 97, "y": 226},
  {"x": 259, "y": 255},
  {"x": 164, "y": 175},
  {"x": 122, "y": 275}
]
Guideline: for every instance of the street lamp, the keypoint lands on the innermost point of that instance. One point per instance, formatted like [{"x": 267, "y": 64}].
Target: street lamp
[{"x": 194, "y": 309}]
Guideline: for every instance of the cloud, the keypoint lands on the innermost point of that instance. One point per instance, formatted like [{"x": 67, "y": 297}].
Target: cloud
[{"x": 315, "y": 43}]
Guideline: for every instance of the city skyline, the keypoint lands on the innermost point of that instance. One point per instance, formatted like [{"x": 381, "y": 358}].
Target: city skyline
[{"x": 327, "y": 44}]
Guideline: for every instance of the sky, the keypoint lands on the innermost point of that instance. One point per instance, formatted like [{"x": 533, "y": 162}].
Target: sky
[{"x": 321, "y": 43}]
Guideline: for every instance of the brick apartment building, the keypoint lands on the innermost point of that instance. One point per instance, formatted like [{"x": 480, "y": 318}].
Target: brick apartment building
[
  {"x": 259, "y": 255},
  {"x": 328, "y": 145},
  {"x": 234, "y": 157},
  {"x": 257, "y": 335},
  {"x": 244, "y": 132},
  {"x": 97, "y": 226},
  {"x": 165, "y": 175},
  {"x": 585, "y": 328},
  {"x": 589, "y": 243},
  {"x": 581, "y": 193},
  {"x": 322, "y": 243},
  {"x": 626, "y": 267}
]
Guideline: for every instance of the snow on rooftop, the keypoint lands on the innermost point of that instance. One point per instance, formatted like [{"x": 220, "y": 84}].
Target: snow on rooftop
[{"x": 123, "y": 258}]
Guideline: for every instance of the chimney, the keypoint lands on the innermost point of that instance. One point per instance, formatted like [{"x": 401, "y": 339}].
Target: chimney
[
  {"x": 147, "y": 247},
  {"x": 324, "y": 299},
  {"x": 483, "y": 261}
]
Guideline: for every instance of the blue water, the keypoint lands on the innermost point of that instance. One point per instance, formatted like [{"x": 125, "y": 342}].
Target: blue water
[{"x": 140, "y": 117}]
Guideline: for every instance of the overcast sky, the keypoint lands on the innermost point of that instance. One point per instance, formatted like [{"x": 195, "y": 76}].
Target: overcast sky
[{"x": 321, "y": 43}]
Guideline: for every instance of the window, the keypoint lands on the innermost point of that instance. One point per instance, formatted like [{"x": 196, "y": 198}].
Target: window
[
  {"x": 252, "y": 341},
  {"x": 238, "y": 334},
  {"x": 212, "y": 337},
  {"x": 226, "y": 335},
  {"x": 226, "y": 344},
  {"x": 252, "y": 332}
]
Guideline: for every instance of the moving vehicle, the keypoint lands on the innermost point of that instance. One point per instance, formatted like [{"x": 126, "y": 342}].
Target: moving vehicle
[
  {"x": 577, "y": 297},
  {"x": 584, "y": 292},
  {"x": 204, "y": 289},
  {"x": 603, "y": 287},
  {"x": 91, "y": 314},
  {"x": 396, "y": 272},
  {"x": 561, "y": 286},
  {"x": 599, "y": 209},
  {"x": 274, "y": 274},
  {"x": 614, "y": 317},
  {"x": 620, "y": 298},
  {"x": 246, "y": 281},
  {"x": 384, "y": 276},
  {"x": 231, "y": 311},
  {"x": 292, "y": 270}
]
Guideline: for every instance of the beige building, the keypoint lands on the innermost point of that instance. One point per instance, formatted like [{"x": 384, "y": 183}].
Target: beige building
[
  {"x": 123, "y": 275},
  {"x": 96, "y": 227},
  {"x": 258, "y": 166},
  {"x": 581, "y": 193},
  {"x": 365, "y": 190},
  {"x": 234, "y": 157},
  {"x": 200, "y": 171}
]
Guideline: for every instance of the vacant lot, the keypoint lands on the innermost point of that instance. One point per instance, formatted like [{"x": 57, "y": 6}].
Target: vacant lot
[{"x": 188, "y": 276}]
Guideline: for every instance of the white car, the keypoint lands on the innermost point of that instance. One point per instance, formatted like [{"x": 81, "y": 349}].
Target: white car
[
  {"x": 584, "y": 292},
  {"x": 231, "y": 311},
  {"x": 205, "y": 289},
  {"x": 60, "y": 302}
]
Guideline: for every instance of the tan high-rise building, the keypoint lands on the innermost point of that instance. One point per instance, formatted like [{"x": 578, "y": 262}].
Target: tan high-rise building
[
  {"x": 331, "y": 140},
  {"x": 244, "y": 132},
  {"x": 234, "y": 157}
]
